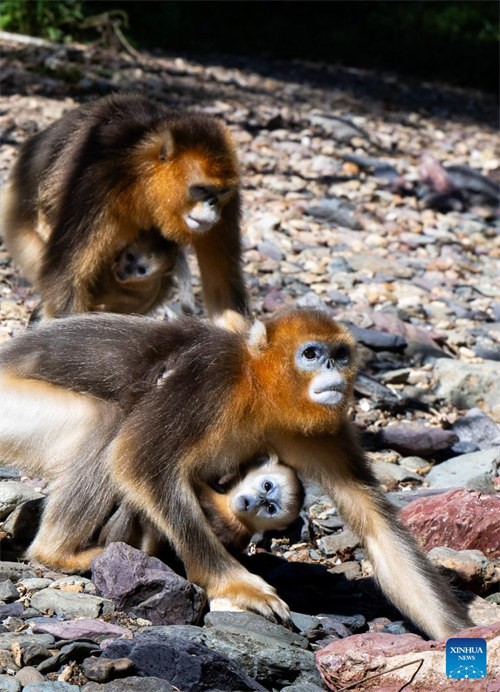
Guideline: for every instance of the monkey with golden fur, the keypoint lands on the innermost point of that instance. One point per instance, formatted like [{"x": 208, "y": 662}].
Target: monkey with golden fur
[
  {"x": 93, "y": 182},
  {"x": 265, "y": 495},
  {"x": 82, "y": 405}
]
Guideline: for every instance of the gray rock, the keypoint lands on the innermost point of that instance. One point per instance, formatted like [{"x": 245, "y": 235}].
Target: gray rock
[
  {"x": 237, "y": 623},
  {"x": 76, "y": 651},
  {"x": 55, "y": 686},
  {"x": 146, "y": 587},
  {"x": 308, "y": 625},
  {"x": 413, "y": 463},
  {"x": 391, "y": 474},
  {"x": 35, "y": 654},
  {"x": 378, "y": 341},
  {"x": 190, "y": 666},
  {"x": 132, "y": 684},
  {"x": 345, "y": 540},
  {"x": 15, "y": 571},
  {"x": 24, "y": 639},
  {"x": 28, "y": 675},
  {"x": 475, "y": 471},
  {"x": 6, "y": 472},
  {"x": 72, "y": 604},
  {"x": 303, "y": 687},
  {"x": 335, "y": 211},
  {"x": 9, "y": 610},
  {"x": 8, "y": 591},
  {"x": 189, "y": 632},
  {"x": 35, "y": 583},
  {"x": 478, "y": 428},
  {"x": 468, "y": 385},
  {"x": 13, "y": 493},
  {"x": 270, "y": 654},
  {"x": 75, "y": 580},
  {"x": 9, "y": 684}
]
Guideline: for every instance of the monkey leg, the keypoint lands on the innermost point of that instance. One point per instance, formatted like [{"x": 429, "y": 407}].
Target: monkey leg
[
  {"x": 406, "y": 577},
  {"x": 63, "y": 436},
  {"x": 168, "y": 500}
]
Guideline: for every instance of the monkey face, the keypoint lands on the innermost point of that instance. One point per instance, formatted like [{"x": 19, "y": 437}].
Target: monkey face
[
  {"x": 327, "y": 363},
  {"x": 207, "y": 203},
  {"x": 268, "y": 498}
]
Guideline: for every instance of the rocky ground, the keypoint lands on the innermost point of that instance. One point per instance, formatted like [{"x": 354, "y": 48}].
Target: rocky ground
[{"x": 373, "y": 197}]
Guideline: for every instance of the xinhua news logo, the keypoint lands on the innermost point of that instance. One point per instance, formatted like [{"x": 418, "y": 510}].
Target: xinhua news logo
[{"x": 466, "y": 658}]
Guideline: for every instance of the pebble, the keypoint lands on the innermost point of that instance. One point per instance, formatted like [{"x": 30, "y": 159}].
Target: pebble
[
  {"x": 9, "y": 684},
  {"x": 416, "y": 440},
  {"x": 334, "y": 543},
  {"x": 103, "y": 669},
  {"x": 477, "y": 428},
  {"x": 8, "y": 591},
  {"x": 24, "y": 639},
  {"x": 52, "y": 686},
  {"x": 79, "y": 629},
  {"x": 28, "y": 676}
]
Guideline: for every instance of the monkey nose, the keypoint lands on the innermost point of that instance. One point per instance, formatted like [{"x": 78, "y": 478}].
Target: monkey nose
[{"x": 244, "y": 503}]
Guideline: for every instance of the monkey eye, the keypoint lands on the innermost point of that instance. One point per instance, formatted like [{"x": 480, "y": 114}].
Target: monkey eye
[
  {"x": 342, "y": 353},
  {"x": 267, "y": 485},
  {"x": 311, "y": 353},
  {"x": 271, "y": 509}
]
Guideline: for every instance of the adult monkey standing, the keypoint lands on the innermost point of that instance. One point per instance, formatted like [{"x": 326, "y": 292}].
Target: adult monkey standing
[
  {"x": 82, "y": 405},
  {"x": 85, "y": 189}
]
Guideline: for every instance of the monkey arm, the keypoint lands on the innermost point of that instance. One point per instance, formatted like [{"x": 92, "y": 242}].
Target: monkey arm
[
  {"x": 167, "y": 497},
  {"x": 219, "y": 257},
  {"x": 406, "y": 577}
]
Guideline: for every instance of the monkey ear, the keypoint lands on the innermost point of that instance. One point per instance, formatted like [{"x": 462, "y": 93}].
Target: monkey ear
[
  {"x": 167, "y": 147},
  {"x": 159, "y": 146},
  {"x": 257, "y": 337}
]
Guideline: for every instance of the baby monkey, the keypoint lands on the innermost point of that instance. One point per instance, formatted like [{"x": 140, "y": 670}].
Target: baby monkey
[
  {"x": 265, "y": 495},
  {"x": 142, "y": 275}
]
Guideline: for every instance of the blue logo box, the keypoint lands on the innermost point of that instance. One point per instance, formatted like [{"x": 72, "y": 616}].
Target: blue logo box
[{"x": 466, "y": 658}]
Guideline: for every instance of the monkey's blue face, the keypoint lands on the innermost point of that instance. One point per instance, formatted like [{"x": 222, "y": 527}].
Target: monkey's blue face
[{"x": 326, "y": 363}]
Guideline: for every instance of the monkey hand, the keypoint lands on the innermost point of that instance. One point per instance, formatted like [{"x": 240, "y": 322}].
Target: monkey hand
[{"x": 248, "y": 592}]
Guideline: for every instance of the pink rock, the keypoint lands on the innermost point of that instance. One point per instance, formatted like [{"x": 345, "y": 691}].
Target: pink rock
[
  {"x": 352, "y": 661},
  {"x": 460, "y": 519},
  {"x": 76, "y": 629}
]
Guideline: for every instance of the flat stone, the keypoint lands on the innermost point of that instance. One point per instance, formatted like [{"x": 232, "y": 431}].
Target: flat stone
[
  {"x": 8, "y": 591},
  {"x": 466, "y": 567},
  {"x": 469, "y": 385},
  {"x": 13, "y": 493},
  {"x": 35, "y": 654},
  {"x": 413, "y": 463},
  {"x": 72, "y": 604},
  {"x": 416, "y": 440},
  {"x": 55, "y": 686},
  {"x": 476, "y": 470},
  {"x": 79, "y": 629},
  {"x": 131, "y": 684},
  {"x": 35, "y": 583},
  {"x": 144, "y": 586},
  {"x": 8, "y": 610},
  {"x": 345, "y": 540},
  {"x": 24, "y": 639},
  {"x": 392, "y": 474}
]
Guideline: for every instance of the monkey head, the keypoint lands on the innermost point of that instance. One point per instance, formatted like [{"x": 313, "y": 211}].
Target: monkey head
[
  {"x": 143, "y": 260},
  {"x": 190, "y": 175},
  {"x": 306, "y": 363},
  {"x": 269, "y": 497}
]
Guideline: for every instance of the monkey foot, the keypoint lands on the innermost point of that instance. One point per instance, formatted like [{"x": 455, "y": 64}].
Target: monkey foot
[
  {"x": 251, "y": 594},
  {"x": 67, "y": 562}
]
